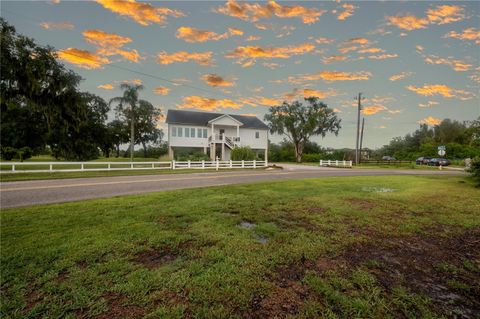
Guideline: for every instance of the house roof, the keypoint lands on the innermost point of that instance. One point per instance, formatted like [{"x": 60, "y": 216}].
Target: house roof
[{"x": 202, "y": 119}]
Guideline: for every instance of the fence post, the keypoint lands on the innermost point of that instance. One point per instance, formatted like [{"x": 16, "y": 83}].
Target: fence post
[
  {"x": 188, "y": 163},
  {"x": 109, "y": 166},
  {"x": 153, "y": 165},
  {"x": 81, "y": 167},
  {"x": 51, "y": 167},
  {"x": 203, "y": 163},
  {"x": 320, "y": 162},
  {"x": 131, "y": 165},
  {"x": 350, "y": 163},
  {"x": 254, "y": 163},
  {"x": 328, "y": 163},
  {"x": 231, "y": 164},
  {"x": 173, "y": 164},
  {"x": 243, "y": 163},
  {"x": 336, "y": 163},
  {"x": 217, "y": 164},
  {"x": 13, "y": 167},
  {"x": 344, "y": 163}
]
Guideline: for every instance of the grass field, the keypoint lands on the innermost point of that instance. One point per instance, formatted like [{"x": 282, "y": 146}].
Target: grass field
[{"x": 347, "y": 247}]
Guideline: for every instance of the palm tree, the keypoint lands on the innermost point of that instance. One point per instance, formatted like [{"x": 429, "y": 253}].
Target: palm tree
[{"x": 130, "y": 99}]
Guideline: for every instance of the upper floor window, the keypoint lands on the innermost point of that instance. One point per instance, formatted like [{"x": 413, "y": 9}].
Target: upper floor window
[
  {"x": 187, "y": 132},
  {"x": 174, "y": 131},
  {"x": 192, "y": 132},
  {"x": 179, "y": 131},
  {"x": 205, "y": 133},
  {"x": 199, "y": 132},
  {"x": 257, "y": 134}
]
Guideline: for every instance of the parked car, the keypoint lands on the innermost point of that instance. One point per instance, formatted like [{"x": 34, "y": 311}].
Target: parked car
[
  {"x": 388, "y": 158},
  {"x": 423, "y": 160},
  {"x": 438, "y": 162}
]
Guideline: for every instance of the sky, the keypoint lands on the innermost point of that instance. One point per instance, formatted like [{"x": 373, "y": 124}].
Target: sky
[{"x": 414, "y": 62}]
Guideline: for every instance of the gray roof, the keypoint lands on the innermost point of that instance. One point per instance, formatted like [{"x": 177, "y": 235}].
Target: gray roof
[{"x": 202, "y": 119}]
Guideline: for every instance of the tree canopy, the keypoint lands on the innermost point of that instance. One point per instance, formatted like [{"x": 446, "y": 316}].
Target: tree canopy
[{"x": 300, "y": 121}]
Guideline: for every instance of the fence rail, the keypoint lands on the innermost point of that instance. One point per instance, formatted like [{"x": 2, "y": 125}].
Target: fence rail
[
  {"x": 42, "y": 167},
  {"x": 384, "y": 162},
  {"x": 335, "y": 163}
]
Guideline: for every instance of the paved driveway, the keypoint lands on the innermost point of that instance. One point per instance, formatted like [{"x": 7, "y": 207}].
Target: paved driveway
[{"x": 25, "y": 193}]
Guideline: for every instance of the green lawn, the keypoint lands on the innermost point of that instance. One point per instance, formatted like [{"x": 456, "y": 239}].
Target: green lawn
[{"x": 346, "y": 247}]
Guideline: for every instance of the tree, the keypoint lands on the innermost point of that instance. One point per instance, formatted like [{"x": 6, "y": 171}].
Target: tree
[
  {"x": 118, "y": 134},
  {"x": 147, "y": 117},
  {"x": 126, "y": 105},
  {"x": 299, "y": 122}
]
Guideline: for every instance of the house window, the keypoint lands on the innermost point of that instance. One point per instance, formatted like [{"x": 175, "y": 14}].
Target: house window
[
  {"x": 187, "y": 132},
  {"x": 205, "y": 133},
  {"x": 179, "y": 131},
  {"x": 257, "y": 134},
  {"x": 192, "y": 132},
  {"x": 174, "y": 131},
  {"x": 199, "y": 133}
]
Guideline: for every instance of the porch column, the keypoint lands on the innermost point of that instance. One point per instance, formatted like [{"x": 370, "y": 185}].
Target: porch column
[
  {"x": 212, "y": 151},
  {"x": 223, "y": 151},
  {"x": 213, "y": 132},
  {"x": 266, "y": 155},
  {"x": 170, "y": 152}
]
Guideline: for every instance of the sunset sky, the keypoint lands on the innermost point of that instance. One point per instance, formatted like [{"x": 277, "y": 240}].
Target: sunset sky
[{"x": 415, "y": 62}]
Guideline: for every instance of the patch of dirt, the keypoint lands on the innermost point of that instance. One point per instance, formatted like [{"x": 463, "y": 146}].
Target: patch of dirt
[
  {"x": 414, "y": 262},
  {"x": 362, "y": 203},
  {"x": 119, "y": 307},
  {"x": 32, "y": 298},
  {"x": 152, "y": 259},
  {"x": 62, "y": 276}
]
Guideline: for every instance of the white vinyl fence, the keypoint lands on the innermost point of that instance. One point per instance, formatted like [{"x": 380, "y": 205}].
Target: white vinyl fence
[
  {"x": 32, "y": 167},
  {"x": 336, "y": 163}
]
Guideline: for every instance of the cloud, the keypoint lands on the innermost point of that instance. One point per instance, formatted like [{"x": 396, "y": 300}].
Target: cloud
[
  {"x": 428, "y": 104},
  {"x": 408, "y": 22},
  {"x": 134, "y": 81},
  {"x": 253, "y": 12},
  {"x": 141, "y": 12},
  {"x": 440, "y": 89},
  {"x": 253, "y": 38},
  {"x": 371, "y": 50},
  {"x": 161, "y": 90},
  {"x": 323, "y": 40},
  {"x": 457, "y": 65},
  {"x": 430, "y": 121},
  {"x": 381, "y": 127},
  {"x": 444, "y": 14},
  {"x": 106, "y": 86},
  {"x": 261, "y": 100},
  {"x": 400, "y": 76},
  {"x": 349, "y": 9},
  {"x": 334, "y": 58},
  {"x": 110, "y": 44},
  {"x": 373, "y": 109},
  {"x": 304, "y": 93},
  {"x": 469, "y": 34},
  {"x": 248, "y": 114},
  {"x": 207, "y": 104},
  {"x": 383, "y": 56},
  {"x": 331, "y": 76},
  {"x": 82, "y": 58},
  {"x": 247, "y": 55},
  {"x": 193, "y": 35},
  {"x": 202, "y": 58},
  {"x": 419, "y": 48},
  {"x": 216, "y": 80},
  {"x": 57, "y": 25}
]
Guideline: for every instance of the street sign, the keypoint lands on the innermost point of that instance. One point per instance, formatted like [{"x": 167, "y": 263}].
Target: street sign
[
  {"x": 441, "y": 148},
  {"x": 441, "y": 152}
]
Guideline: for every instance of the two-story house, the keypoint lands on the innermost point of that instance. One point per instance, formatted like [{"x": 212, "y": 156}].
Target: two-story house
[{"x": 215, "y": 134}]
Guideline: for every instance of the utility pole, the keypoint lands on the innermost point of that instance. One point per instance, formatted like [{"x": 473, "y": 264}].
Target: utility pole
[
  {"x": 132, "y": 132},
  {"x": 361, "y": 139},
  {"x": 359, "y": 98}
]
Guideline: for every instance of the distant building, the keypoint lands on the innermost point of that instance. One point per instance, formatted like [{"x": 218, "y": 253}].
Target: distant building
[{"x": 215, "y": 134}]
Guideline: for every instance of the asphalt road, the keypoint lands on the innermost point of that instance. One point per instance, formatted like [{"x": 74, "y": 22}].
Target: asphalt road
[{"x": 26, "y": 193}]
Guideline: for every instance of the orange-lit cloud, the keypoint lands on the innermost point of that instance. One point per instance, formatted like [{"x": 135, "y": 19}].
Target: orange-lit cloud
[
  {"x": 428, "y": 104},
  {"x": 254, "y": 11},
  {"x": 400, "y": 76},
  {"x": 330, "y": 76},
  {"x": 110, "y": 44},
  {"x": 408, "y": 22},
  {"x": 349, "y": 9},
  {"x": 193, "y": 35},
  {"x": 253, "y": 38},
  {"x": 207, "y": 104},
  {"x": 82, "y": 58},
  {"x": 141, "y": 12},
  {"x": 106, "y": 86},
  {"x": 469, "y": 34},
  {"x": 161, "y": 90},
  {"x": 304, "y": 93},
  {"x": 261, "y": 100},
  {"x": 430, "y": 121},
  {"x": 383, "y": 56},
  {"x": 457, "y": 65},
  {"x": 134, "y": 81},
  {"x": 444, "y": 14},
  {"x": 246, "y": 55},
  {"x": 216, "y": 80},
  {"x": 373, "y": 109},
  {"x": 333, "y": 58},
  {"x": 371, "y": 50},
  {"x": 440, "y": 89},
  {"x": 248, "y": 114},
  {"x": 57, "y": 25},
  {"x": 323, "y": 40},
  {"x": 202, "y": 58}
]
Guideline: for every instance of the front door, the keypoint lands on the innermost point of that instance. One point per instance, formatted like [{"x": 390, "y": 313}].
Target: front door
[{"x": 222, "y": 132}]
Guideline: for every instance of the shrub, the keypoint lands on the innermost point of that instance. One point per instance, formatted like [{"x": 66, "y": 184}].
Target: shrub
[
  {"x": 311, "y": 157},
  {"x": 244, "y": 153},
  {"x": 475, "y": 170},
  {"x": 8, "y": 153},
  {"x": 24, "y": 153}
]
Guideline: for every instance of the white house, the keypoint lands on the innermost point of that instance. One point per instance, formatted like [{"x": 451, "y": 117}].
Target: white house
[{"x": 214, "y": 133}]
